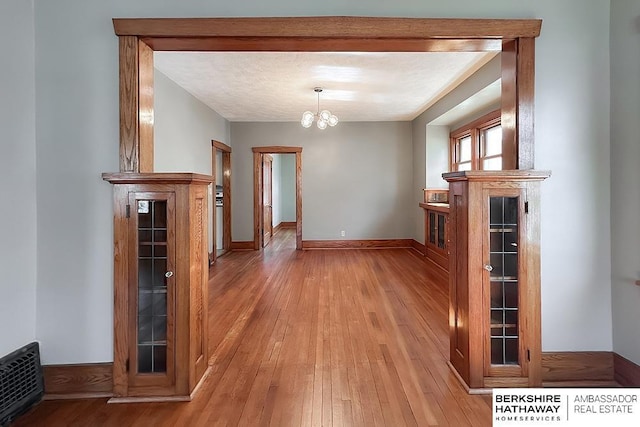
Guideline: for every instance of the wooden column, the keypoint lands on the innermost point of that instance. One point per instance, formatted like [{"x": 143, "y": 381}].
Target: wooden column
[
  {"x": 518, "y": 76},
  {"x": 136, "y": 105}
]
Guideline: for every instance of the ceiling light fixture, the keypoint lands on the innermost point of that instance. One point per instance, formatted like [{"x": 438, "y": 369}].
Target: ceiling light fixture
[{"x": 324, "y": 117}]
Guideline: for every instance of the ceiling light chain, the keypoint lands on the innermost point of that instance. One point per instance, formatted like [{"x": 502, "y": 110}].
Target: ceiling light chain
[{"x": 324, "y": 117}]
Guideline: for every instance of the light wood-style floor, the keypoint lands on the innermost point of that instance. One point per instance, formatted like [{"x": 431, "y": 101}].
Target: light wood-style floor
[{"x": 312, "y": 338}]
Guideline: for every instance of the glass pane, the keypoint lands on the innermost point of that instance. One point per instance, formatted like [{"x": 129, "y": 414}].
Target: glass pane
[
  {"x": 492, "y": 164},
  {"x": 492, "y": 141},
  {"x": 432, "y": 228},
  {"x": 503, "y": 256},
  {"x": 152, "y": 296},
  {"x": 465, "y": 149},
  {"x": 441, "y": 242},
  {"x": 144, "y": 358},
  {"x": 464, "y": 166}
]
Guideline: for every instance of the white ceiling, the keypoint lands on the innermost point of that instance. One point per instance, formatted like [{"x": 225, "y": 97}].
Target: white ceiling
[{"x": 278, "y": 86}]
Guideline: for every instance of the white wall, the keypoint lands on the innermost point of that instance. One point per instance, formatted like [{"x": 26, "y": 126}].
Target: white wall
[
  {"x": 276, "y": 184},
  {"x": 183, "y": 130},
  {"x": 355, "y": 177},
  {"x": 77, "y": 140},
  {"x": 437, "y": 155},
  {"x": 625, "y": 176},
  {"x": 288, "y": 187},
  {"x": 18, "y": 253}
]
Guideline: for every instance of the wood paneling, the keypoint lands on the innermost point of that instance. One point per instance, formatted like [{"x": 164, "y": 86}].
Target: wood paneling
[
  {"x": 357, "y": 244},
  {"x": 329, "y": 27},
  {"x": 242, "y": 246},
  {"x": 626, "y": 372},
  {"x": 587, "y": 366},
  {"x": 303, "y": 338},
  {"x": 78, "y": 381}
]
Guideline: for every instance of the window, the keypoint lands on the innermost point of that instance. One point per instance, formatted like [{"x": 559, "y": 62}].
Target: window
[{"x": 477, "y": 145}]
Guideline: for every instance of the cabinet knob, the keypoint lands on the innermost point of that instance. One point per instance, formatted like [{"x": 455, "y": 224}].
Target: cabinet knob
[
  {"x": 488, "y": 267},
  {"x": 168, "y": 274}
]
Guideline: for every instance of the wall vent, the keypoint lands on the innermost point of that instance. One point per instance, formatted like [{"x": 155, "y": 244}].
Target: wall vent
[{"x": 21, "y": 382}]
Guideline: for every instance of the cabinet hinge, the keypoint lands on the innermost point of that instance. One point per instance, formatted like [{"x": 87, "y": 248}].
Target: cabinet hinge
[
  {"x": 128, "y": 211},
  {"x": 526, "y": 207},
  {"x": 528, "y": 355},
  {"x": 126, "y": 365}
]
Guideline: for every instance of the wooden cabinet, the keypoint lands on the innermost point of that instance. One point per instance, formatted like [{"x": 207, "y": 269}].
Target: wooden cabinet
[
  {"x": 494, "y": 277},
  {"x": 160, "y": 284},
  {"x": 436, "y": 235}
]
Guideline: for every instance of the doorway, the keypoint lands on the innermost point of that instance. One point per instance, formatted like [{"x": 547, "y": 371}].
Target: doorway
[
  {"x": 221, "y": 218},
  {"x": 262, "y": 205}
]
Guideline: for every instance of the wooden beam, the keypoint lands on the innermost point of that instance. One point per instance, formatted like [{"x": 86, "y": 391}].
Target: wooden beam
[
  {"x": 136, "y": 105},
  {"x": 518, "y": 75},
  {"x": 329, "y": 27}
]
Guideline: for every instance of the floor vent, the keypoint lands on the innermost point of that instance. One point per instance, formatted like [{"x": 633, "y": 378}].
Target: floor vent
[{"x": 21, "y": 382}]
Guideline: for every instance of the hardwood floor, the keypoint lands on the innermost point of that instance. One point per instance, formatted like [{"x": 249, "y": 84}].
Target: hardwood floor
[{"x": 312, "y": 338}]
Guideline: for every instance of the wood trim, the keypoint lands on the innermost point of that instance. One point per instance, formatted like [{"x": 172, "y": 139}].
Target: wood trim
[
  {"x": 328, "y": 27},
  {"x": 438, "y": 207},
  {"x": 504, "y": 175},
  {"x": 284, "y": 224},
  {"x": 220, "y": 146},
  {"x": 509, "y": 103},
  {"x": 625, "y": 371},
  {"x": 485, "y": 121},
  {"x": 276, "y": 149},
  {"x": 226, "y": 200},
  {"x": 420, "y": 247},
  {"x": 357, "y": 244},
  {"x": 299, "y": 200},
  {"x": 157, "y": 178},
  {"x": 79, "y": 381},
  {"x": 242, "y": 246},
  {"x": 257, "y": 199},
  {"x": 577, "y": 366}
]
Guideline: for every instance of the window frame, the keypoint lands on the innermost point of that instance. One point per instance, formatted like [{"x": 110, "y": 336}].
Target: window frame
[{"x": 475, "y": 130}]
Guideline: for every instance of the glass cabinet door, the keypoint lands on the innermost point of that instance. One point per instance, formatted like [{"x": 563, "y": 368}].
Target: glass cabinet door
[
  {"x": 504, "y": 340},
  {"x": 151, "y": 293}
]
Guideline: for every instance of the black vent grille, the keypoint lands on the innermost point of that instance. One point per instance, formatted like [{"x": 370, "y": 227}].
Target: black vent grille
[{"x": 21, "y": 382}]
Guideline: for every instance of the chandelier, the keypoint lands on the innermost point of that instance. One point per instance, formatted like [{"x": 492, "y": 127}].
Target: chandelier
[{"x": 324, "y": 117}]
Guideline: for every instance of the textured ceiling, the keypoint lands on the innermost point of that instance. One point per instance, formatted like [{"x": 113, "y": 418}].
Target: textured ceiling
[{"x": 278, "y": 86}]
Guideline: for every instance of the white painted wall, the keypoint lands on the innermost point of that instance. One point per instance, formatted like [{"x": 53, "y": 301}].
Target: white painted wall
[
  {"x": 625, "y": 176},
  {"x": 77, "y": 140},
  {"x": 355, "y": 177},
  {"x": 437, "y": 155},
  {"x": 183, "y": 130},
  {"x": 18, "y": 222},
  {"x": 288, "y": 187},
  {"x": 276, "y": 201}
]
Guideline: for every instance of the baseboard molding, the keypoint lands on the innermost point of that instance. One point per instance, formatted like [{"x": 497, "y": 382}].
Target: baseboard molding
[
  {"x": 419, "y": 247},
  {"x": 81, "y": 381},
  {"x": 436, "y": 273},
  {"x": 357, "y": 244},
  {"x": 579, "y": 368},
  {"x": 626, "y": 373},
  {"x": 284, "y": 224},
  {"x": 242, "y": 246}
]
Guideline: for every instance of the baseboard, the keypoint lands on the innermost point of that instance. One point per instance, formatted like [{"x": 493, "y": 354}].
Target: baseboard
[
  {"x": 284, "y": 224},
  {"x": 81, "y": 381},
  {"x": 357, "y": 244},
  {"x": 242, "y": 246},
  {"x": 626, "y": 373},
  {"x": 436, "y": 273},
  {"x": 418, "y": 247},
  {"x": 578, "y": 369}
]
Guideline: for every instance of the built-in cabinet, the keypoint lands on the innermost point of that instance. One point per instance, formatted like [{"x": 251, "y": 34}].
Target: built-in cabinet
[
  {"x": 494, "y": 277},
  {"x": 437, "y": 238},
  {"x": 160, "y": 284}
]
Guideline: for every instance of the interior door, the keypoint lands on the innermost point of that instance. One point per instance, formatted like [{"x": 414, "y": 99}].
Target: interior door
[{"x": 267, "y": 197}]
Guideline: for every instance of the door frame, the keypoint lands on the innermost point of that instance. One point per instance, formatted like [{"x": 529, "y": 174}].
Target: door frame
[
  {"x": 226, "y": 196},
  {"x": 269, "y": 158},
  {"x": 258, "y": 206}
]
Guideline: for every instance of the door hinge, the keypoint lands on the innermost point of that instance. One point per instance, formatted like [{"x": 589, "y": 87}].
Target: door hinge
[
  {"x": 126, "y": 365},
  {"x": 528, "y": 355},
  {"x": 526, "y": 207},
  {"x": 128, "y": 211}
]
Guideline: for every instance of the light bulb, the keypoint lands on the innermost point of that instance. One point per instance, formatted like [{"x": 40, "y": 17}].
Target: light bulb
[
  {"x": 322, "y": 124},
  {"x": 333, "y": 120},
  {"x": 307, "y": 116},
  {"x": 325, "y": 114},
  {"x": 306, "y": 123}
]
